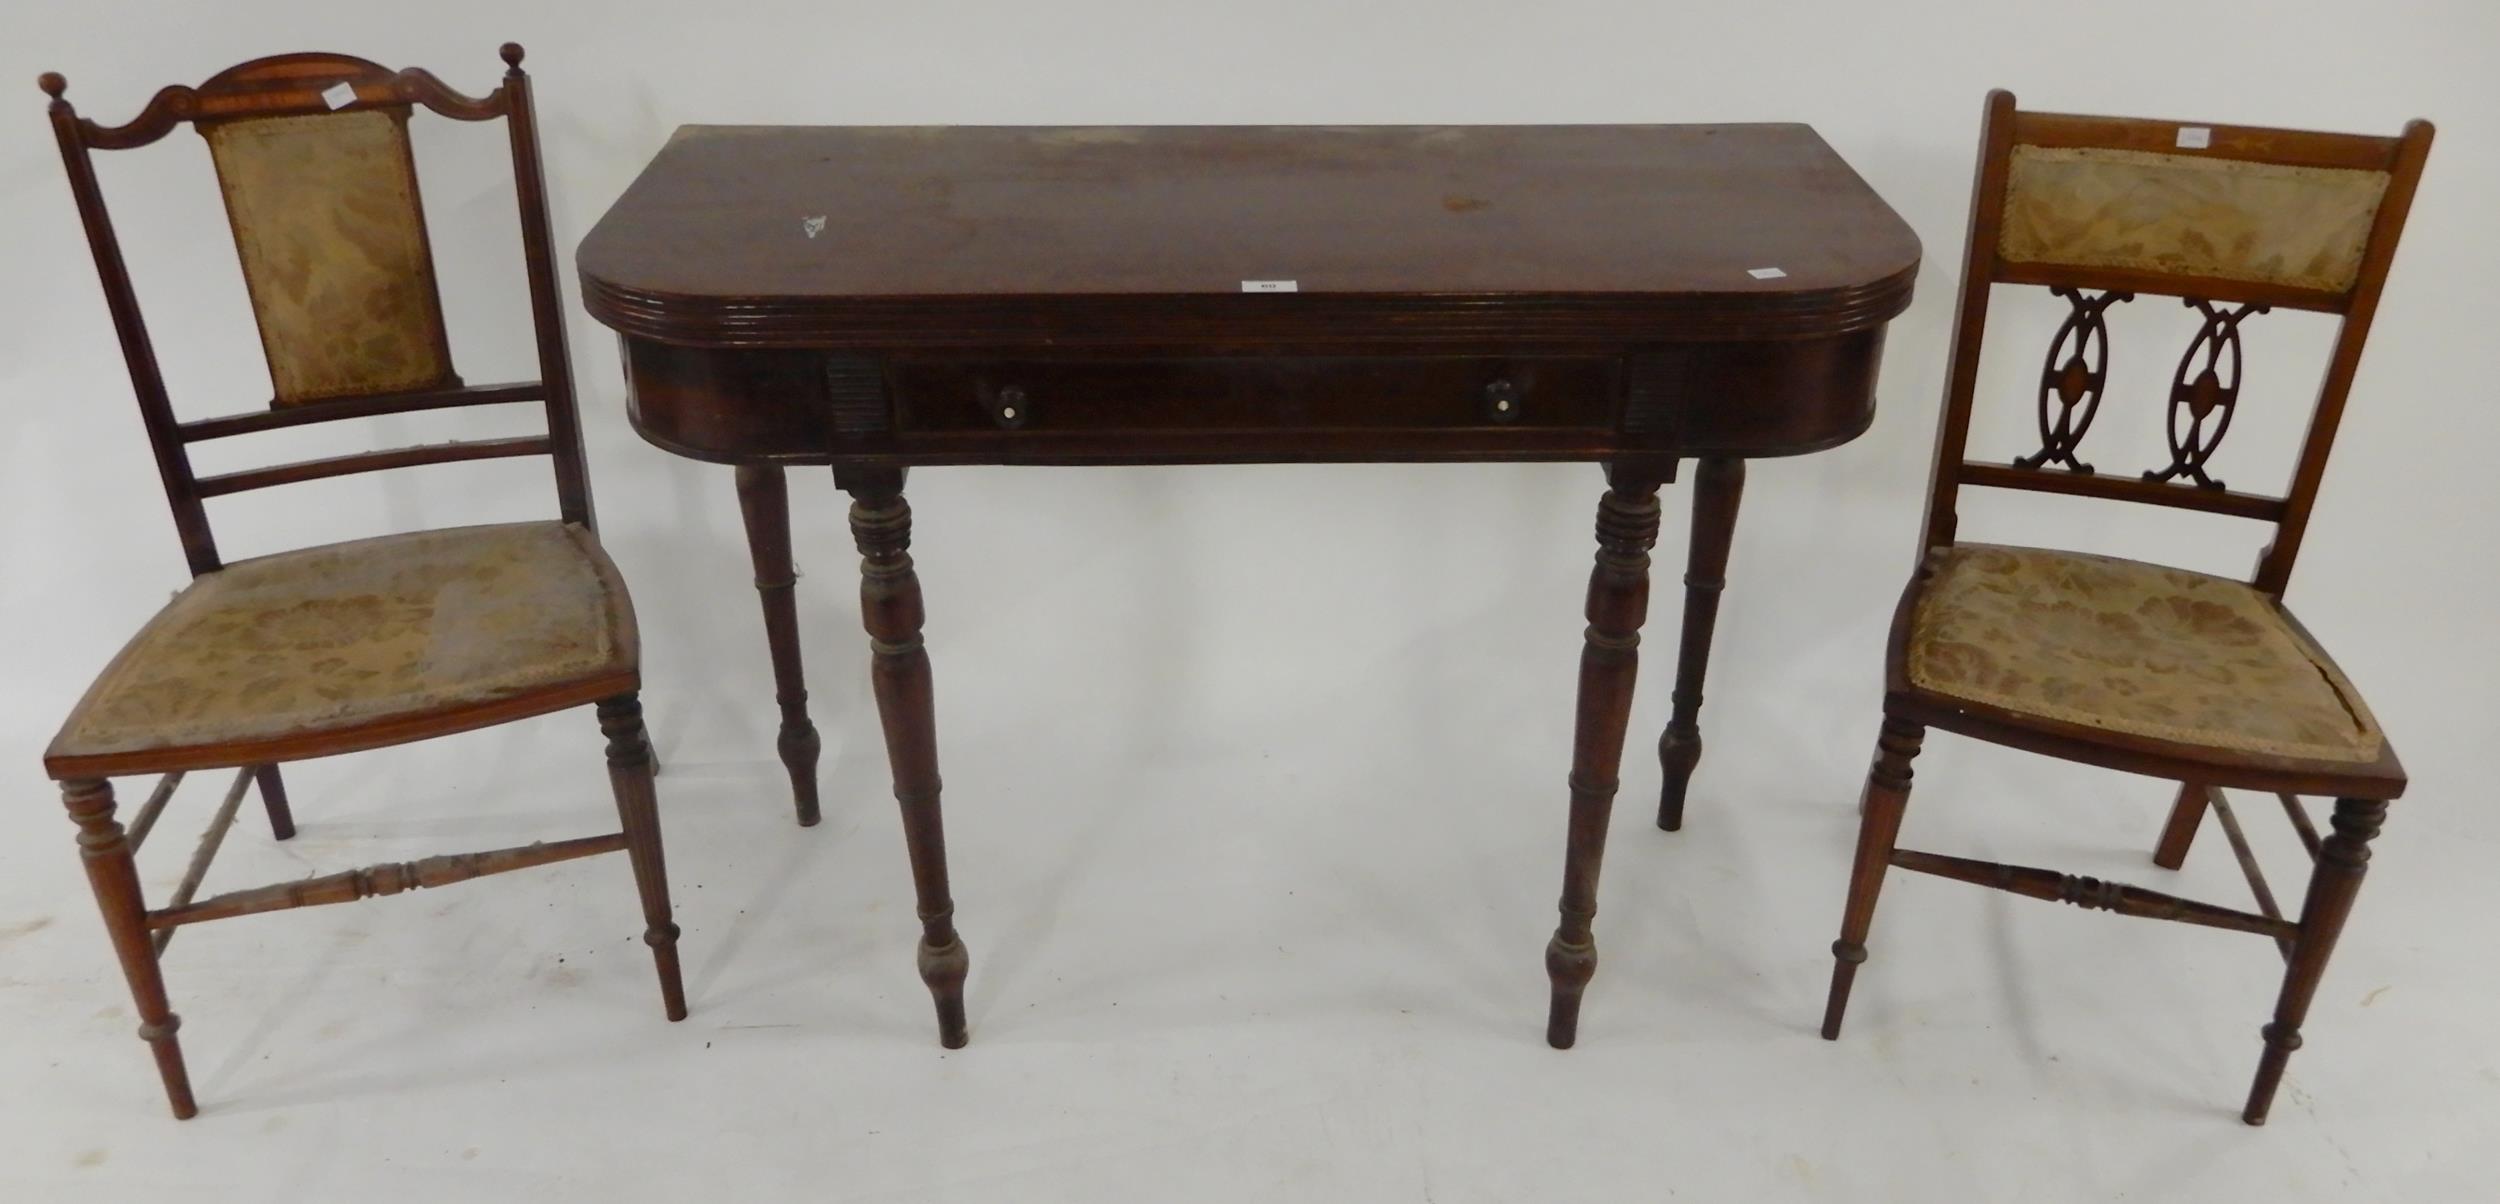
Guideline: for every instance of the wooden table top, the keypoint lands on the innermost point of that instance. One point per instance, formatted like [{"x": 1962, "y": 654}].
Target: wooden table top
[{"x": 1039, "y": 236}]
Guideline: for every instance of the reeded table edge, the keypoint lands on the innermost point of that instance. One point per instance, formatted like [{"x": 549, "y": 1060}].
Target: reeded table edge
[{"x": 1213, "y": 320}]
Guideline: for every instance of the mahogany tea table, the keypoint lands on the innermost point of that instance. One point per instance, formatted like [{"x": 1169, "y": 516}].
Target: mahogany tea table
[{"x": 880, "y": 298}]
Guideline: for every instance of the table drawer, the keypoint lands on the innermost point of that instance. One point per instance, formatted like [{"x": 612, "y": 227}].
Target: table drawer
[{"x": 1254, "y": 394}]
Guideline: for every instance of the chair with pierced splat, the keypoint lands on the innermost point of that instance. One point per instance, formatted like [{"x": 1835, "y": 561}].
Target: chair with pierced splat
[
  {"x": 2202, "y": 680},
  {"x": 358, "y": 645}
]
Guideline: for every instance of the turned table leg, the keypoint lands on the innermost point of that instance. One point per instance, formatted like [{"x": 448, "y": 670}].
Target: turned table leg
[
  {"x": 764, "y": 501},
  {"x": 1618, "y": 599},
  {"x": 889, "y": 605},
  {"x": 1718, "y": 487}
]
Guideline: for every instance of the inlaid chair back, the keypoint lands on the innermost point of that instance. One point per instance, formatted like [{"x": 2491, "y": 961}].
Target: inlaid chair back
[
  {"x": 2130, "y": 666},
  {"x": 312, "y": 155},
  {"x": 2233, "y": 220}
]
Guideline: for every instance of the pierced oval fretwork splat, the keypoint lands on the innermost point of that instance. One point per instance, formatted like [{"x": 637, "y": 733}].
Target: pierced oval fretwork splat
[
  {"x": 2206, "y": 387},
  {"x": 2071, "y": 379}
]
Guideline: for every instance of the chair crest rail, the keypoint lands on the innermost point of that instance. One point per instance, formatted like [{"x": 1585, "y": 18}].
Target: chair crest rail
[{"x": 287, "y": 85}]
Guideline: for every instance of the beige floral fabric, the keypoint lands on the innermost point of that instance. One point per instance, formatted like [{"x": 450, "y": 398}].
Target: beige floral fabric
[
  {"x": 2131, "y": 647},
  {"x": 325, "y": 217},
  {"x": 347, "y": 633},
  {"x": 2189, "y": 215}
]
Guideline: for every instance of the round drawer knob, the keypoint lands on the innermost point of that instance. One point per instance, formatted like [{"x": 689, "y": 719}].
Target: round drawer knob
[
  {"x": 1011, "y": 407},
  {"x": 1502, "y": 401}
]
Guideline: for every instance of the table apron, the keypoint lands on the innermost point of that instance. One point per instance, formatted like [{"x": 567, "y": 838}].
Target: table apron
[{"x": 781, "y": 405}]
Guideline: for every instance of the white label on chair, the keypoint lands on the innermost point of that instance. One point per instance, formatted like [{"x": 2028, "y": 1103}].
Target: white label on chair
[
  {"x": 339, "y": 95},
  {"x": 1270, "y": 286},
  {"x": 2196, "y": 137},
  {"x": 813, "y": 225},
  {"x": 1765, "y": 273}
]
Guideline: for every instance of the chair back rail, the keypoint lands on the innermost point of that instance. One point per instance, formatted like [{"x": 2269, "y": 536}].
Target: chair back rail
[
  {"x": 457, "y": 397},
  {"x": 263, "y": 120},
  {"x": 2232, "y": 220},
  {"x": 372, "y": 461}
]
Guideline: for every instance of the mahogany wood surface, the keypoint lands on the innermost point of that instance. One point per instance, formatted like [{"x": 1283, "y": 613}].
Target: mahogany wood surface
[
  {"x": 876, "y": 299},
  {"x": 967, "y": 236},
  {"x": 1600, "y": 278}
]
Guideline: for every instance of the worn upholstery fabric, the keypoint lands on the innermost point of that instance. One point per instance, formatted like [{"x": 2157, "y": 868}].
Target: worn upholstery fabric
[
  {"x": 347, "y": 633},
  {"x": 2131, "y": 647},
  {"x": 325, "y": 216},
  {"x": 2189, "y": 215}
]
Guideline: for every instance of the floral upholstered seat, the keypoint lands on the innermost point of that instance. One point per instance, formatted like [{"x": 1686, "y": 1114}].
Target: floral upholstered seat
[
  {"x": 354, "y": 633},
  {"x": 2129, "y": 647}
]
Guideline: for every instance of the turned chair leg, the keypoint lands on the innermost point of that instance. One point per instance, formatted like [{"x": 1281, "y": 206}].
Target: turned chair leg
[
  {"x": 890, "y": 608},
  {"x": 1718, "y": 487},
  {"x": 637, "y": 804},
  {"x": 1887, "y": 795},
  {"x": 1618, "y": 600},
  {"x": 764, "y": 500},
  {"x": 115, "y": 878},
  {"x": 2343, "y": 858},
  {"x": 273, "y": 798},
  {"x": 2186, "y": 815}
]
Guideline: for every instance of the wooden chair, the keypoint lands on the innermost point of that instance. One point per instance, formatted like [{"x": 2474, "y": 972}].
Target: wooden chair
[
  {"x": 356, "y": 645},
  {"x": 2198, "y": 679}
]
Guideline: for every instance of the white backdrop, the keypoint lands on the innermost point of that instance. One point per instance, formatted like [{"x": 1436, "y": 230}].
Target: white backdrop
[{"x": 1256, "y": 774}]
